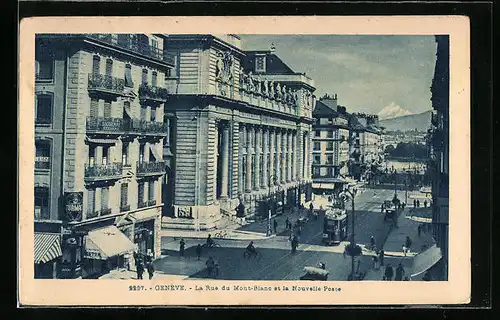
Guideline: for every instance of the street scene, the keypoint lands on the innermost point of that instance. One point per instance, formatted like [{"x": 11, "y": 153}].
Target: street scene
[{"x": 241, "y": 157}]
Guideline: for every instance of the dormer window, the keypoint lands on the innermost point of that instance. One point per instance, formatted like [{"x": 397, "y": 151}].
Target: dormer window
[{"x": 260, "y": 63}]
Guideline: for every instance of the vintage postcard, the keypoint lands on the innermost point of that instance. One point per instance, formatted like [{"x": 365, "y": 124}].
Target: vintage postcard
[{"x": 244, "y": 161}]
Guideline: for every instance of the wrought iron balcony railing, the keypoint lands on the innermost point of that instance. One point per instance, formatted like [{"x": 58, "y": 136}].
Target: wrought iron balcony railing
[
  {"x": 103, "y": 171},
  {"x": 142, "y": 126},
  {"x": 42, "y": 162},
  {"x": 105, "y": 83},
  {"x": 148, "y": 92},
  {"x": 92, "y": 214},
  {"x": 130, "y": 43},
  {"x": 142, "y": 204},
  {"x": 101, "y": 124},
  {"x": 151, "y": 203},
  {"x": 105, "y": 211},
  {"x": 150, "y": 168}
]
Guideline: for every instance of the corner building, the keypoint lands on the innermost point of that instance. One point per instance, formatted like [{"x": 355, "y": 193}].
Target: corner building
[
  {"x": 242, "y": 132},
  {"x": 99, "y": 110}
]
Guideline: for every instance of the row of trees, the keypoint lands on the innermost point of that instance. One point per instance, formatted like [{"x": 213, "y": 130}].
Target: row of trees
[{"x": 407, "y": 150}]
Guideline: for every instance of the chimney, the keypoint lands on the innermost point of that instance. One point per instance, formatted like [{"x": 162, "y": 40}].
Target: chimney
[{"x": 272, "y": 48}]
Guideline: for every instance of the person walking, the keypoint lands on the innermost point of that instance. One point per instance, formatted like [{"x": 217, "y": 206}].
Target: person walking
[
  {"x": 425, "y": 203},
  {"x": 311, "y": 209},
  {"x": 408, "y": 243},
  {"x": 388, "y": 272},
  {"x": 287, "y": 224},
  {"x": 381, "y": 257},
  {"x": 414, "y": 203},
  {"x": 139, "y": 267},
  {"x": 198, "y": 251},
  {"x": 151, "y": 270},
  {"x": 275, "y": 226},
  {"x": 400, "y": 271},
  {"x": 375, "y": 263},
  {"x": 210, "y": 265},
  {"x": 295, "y": 244},
  {"x": 418, "y": 203},
  {"x": 372, "y": 243},
  {"x": 182, "y": 244}
]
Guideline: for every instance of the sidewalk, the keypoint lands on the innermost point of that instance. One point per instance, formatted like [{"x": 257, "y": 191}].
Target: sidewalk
[{"x": 393, "y": 247}]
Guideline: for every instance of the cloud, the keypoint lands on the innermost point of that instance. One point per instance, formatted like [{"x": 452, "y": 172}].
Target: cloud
[{"x": 392, "y": 111}]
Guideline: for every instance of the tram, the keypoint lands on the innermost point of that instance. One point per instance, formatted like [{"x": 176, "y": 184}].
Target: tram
[{"x": 335, "y": 225}]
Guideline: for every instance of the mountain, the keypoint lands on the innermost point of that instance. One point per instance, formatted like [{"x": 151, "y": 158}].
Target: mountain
[
  {"x": 392, "y": 111},
  {"x": 420, "y": 121}
]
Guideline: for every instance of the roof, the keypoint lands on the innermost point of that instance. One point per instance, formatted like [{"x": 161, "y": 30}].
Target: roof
[
  {"x": 325, "y": 109},
  {"x": 274, "y": 65},
  {"x": 354, "y": 124}
]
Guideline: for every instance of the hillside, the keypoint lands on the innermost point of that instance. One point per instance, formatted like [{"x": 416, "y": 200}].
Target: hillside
[{"x": 420, "y": 121}]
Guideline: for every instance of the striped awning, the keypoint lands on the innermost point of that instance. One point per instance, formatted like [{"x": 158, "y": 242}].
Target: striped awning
[
  {"x": 101, "y": 141},
  {"x": 107, "y": 242},
  {"x": 47, "y": 247}
]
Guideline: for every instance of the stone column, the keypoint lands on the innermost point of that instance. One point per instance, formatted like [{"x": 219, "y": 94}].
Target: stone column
[
  {"x": 265, "y": 154},
  {"x": 225, "y": 160},
  {"x": 272, "y": 156},
  {"x": 283, "y": 156},
  {"x": 294, "y": 155},
  {"x": 278, "y": 156},
  {"x": 249, "y": 159},
  {"x": 289, "y": 156},
  {"x": 242, "y": 147},
  {"x": 257, "y": 148}
]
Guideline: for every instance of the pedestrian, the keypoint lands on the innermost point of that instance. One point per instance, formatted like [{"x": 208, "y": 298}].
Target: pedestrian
[
  {"x": 414, "y": 203},
  {"x": 210, "y": 265},
  {"x": 400, "y": 271},
  {"x": 389, "y": 272},
  {"x": 375, "y": 263},
  {"x": 275, "y": 225},
  {"x": 418, "y": 203},
  {"x": 295, "y": 244},
  {"x": 181, "y": 249},
  {"x": 408, "y": 243},
  {"x": 198, "y": 251},
  {"x": 287, "y": 224},
  {"x": 425, "y": 203},
  {"x": 381, "y": 257},
  {"x": 372, "y": 243},
  {"x": 405, "y": 250},
  {"x": 419, "y": 230},
  {"x": 151, "y": 270},
  {"x": 139, "y": 268},
  {"x": 311, "y": 208}
]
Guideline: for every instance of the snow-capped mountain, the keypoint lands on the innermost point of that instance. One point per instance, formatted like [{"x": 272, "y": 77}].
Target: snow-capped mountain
[{"x": 392, "y": 111}]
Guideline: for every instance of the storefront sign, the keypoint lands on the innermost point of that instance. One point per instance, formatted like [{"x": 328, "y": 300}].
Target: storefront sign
[
  {"x": 92, "y": 254},
  {"x": 73, "y": 205}
]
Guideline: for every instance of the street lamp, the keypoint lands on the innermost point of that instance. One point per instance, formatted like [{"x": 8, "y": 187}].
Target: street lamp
[{"x": 345, "y": 196}]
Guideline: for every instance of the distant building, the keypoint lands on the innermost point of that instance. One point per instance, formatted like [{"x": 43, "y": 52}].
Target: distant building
[
  {"x": 243, "y": 122},
  {"x": 99, "y": 131},
  {"x": 330, "y": 145},
  {"x": 438, "y": 143}
]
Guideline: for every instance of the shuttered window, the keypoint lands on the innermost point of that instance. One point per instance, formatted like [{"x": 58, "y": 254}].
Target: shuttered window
[
  {"x": 104, "y": 198},
  {"x": 125, "y": 153},
  {"x": 124, "y": 195},
  {"x": 128, "y": 76},
  {"x": 96, "y": 62},
  {"x": 140, "y": 194},
  {"x": 94, "y": 108},
  {"x": 144, "y": 76},
  {"x": 44, "y": 109},
  {"x": 143, "y": 113},
  {"x": 107, "y": 109},
  {"x": 151, "y": 190},
  {"x": 154, "y": 77},
  {"x": 153, "y": 114},
  {"x": 90, "y": 202},
  {"x": 109, "y": 67},
  {"x": 91, "y": 155}
]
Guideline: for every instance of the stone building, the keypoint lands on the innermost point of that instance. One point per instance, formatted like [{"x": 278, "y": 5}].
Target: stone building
[
  {"x": 99, "y": 110},
  {"x": 242, "y": 132},
  {"x": 330, "y": 145}
]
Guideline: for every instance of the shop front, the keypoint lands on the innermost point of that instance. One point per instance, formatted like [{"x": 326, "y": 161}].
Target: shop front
[
  {"x": 106, "y": 249},
  {"x": 47, "y": 255},
  {"x": 144, "y": 237}
]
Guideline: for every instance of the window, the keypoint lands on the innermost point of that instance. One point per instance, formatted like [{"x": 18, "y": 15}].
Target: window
[
  {"x": 317, "y": 159},
  {"x": 330, "y": 120},
  {"x": 168, "y": 73},
  {"x": 128, "y": 76},
  {"x": 44, "y": 67},
  {"x": 329, "y": 172},
  {"x": 124, "y": 196},
  {"x": 90, "y": 203},
  {"x": 92, "y": 150},
  {"x": 317, "y": 146},
  {"x": 143, "y": 113},
  {"x": 317, "y": 133},
  {"x": 94, "y": 108},
  {"x": 330, "y": 134},
  {"x": 125, "y": 146},
  {"x": 329, "y": 159},
  {"x": 140, "y": 194},
  {"x": 153, "y": 115},
  {"x": 44, "y": 109},
  {"x": 151, "y": 190},
  {"x": 154, "y": 43},
  {"x": 42, "y": 155},
  {"x": 141, "y": 152},
  {"x": 42, "y": 204},
  {"x": 105, "y": 155},
  {"x": 316, "y": 172},
  {"x": 107, "y": 109},
  {"x": 96, "y": 64},
  {"x": 144, "y": 76},
  {"x": 154, "y": 77},
  {"x": 329, "y": 146},
  {"x": 260, "y": 64},
  {"x": 104, "y": 199},
  {"x": 109, "y": 67}
]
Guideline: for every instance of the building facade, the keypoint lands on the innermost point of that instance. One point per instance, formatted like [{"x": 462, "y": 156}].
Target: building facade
[
  {"x": 242, "y": 134},
  {"x": 330, "y": 145},
  {"x": 438, "y": 165},
  {"x": 99, "y": 110}
]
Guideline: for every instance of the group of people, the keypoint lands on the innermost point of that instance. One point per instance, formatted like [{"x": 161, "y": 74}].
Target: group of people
[
  {"x": 399, "y": 276},
  {"x": 416, "y": 203},
  {"x": 142, "y": 263}
]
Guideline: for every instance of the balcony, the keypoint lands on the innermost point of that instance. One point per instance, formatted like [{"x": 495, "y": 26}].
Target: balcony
[
  {"x": 151, "y": 203},
  {"x": 92, "y": 214},
  {"x": 131, "y": 44},
  {"x": 150, "y": 168},
  {"x": 105, "y": 125},
  {"x": 104, "y": 84},
  {"x": 143, "y": 204},
  {"x": 42, "y": 163},
  {"x": 98, "y": 172},
  {"x": 153, "y": 94},
  {"x": 148, "y": 127}
]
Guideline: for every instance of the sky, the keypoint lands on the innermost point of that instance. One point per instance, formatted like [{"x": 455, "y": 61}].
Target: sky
[{"x": 368, "y": 73}]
